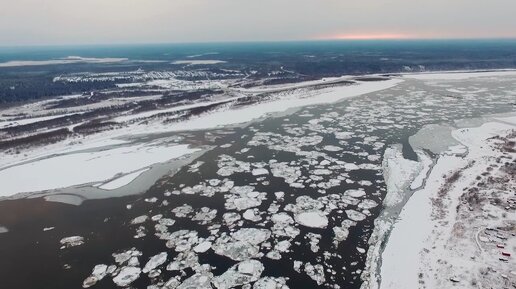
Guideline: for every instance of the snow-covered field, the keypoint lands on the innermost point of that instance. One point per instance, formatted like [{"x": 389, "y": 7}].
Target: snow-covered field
[
  {"x": 66, "y": 60},
  {"x": 456, "y": 231},
  {"x": 86, "y": 167},
  {"x": 198, "y": 62}
]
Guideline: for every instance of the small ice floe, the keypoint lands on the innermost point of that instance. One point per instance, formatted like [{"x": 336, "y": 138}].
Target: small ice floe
[
  {"x": 243, "y": 198},
  {"x": 98, "y": 273},
  {"x": 355, "y": 193},
  {"x": 332, "y": 148},
  {"x": 239, "y": 274},
  {"x": 252, "y": 215},
  {"x": 355, "y": 216},
  {"x": 351, "y": 167},
  {"x": 228, "y": 165},
  {"x": 367, "y": 204},
  {"x": 155, "y": 261},
  {"x": 252, "y": 235},
  {"x": 236, "y": 250},
  {"x": 365, "y": 183},
  {"x": 316, "y": 272},
  {"x": 139, "y": 220},
  {"x": 3, "y": 230},
  {"x": 279, "y": 195},
  {"x": 202, "y": 247},
  {"x": 341, "y": 233},
  {"x": 182, "y": 240},
  {"x": 184, "y": 260},
  {"x": 196, "y": 281},
  {"x": 193, "y": 168},
  {"x": 343, "y": 135},
  {"x": 322, "y": 172},
  {"x": 230, "y": 218},
  {"x": 182, "y": 211},
  {"x": 314, "y": 241},
  {"x": 312, "y": 219},
  {"x": 297, "y": 266},
  {"x": 71, "y": 242},
  {"x": 260, "y": 172},
  {"x": 283, "y": 225},
  {"x": 44, "y": 229},
  {"x": 205, "y": 215},
  {"x": 127, "y": 276},
  {"x": 271, "y": 283},
  {"x": 129, "y": 256},
  {"x": 151, "y": 200}
]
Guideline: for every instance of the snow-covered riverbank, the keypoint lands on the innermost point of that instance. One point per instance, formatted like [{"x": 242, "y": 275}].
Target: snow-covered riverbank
[{"x": 457, "y": 231}]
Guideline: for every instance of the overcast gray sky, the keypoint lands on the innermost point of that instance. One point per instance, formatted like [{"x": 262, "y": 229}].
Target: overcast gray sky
[{"x": 25, "y": 22}]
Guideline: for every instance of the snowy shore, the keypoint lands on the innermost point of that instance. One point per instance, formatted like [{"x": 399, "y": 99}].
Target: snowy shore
[{"x": 457, "y": 231}]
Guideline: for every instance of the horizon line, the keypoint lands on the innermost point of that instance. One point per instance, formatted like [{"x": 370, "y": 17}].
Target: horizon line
[{"x": 345, "y": 38}]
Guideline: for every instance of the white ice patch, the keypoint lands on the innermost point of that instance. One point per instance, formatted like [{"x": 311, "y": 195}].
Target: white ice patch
[
  {"x": 260, "y": 172},
  {"x": 155, "y": 261},
  {"x": 99, "y": 272},
  {"x": 71, "y": 241},
  {"x": 313, "y": 219},
  {"x": 240, "y": 274},
  {"x": 127, "y": 276},
  {"x": 398, "y": 173},
  {"x": 80, "y": 168},
  {"x": 122, "y": 181}
]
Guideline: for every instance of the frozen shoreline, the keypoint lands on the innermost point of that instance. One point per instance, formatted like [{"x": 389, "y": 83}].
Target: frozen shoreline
[{"x": 405, "y": 260}]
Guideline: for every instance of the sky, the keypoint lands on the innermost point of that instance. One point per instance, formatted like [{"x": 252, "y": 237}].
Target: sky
[{"x": 57, "y": 22}]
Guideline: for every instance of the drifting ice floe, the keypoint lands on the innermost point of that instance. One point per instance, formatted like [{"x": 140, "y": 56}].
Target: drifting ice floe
[
  {"x": 242, "y": 273},
  {"x": 155, "y": 261},
  {"x": 71, "y": 241},
  {"x": 127, "y": 276}
]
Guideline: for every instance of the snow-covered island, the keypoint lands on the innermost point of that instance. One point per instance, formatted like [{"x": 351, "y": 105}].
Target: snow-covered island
[{"x": 459, "y": 229}]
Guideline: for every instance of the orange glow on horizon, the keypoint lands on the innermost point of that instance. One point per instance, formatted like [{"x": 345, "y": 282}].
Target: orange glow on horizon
[{"x": 367, "y": 36}]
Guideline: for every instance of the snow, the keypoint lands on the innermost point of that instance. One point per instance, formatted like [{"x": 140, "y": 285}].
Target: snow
[
  {"x": 313, "y": 219},
  {"x": 246, "y": 114},
  {"x": 9, "y": 122},
  {"x": 426, "y": 163},
  {"x": 460, "y": 75},
  {"x": 80, "y": 168}
]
